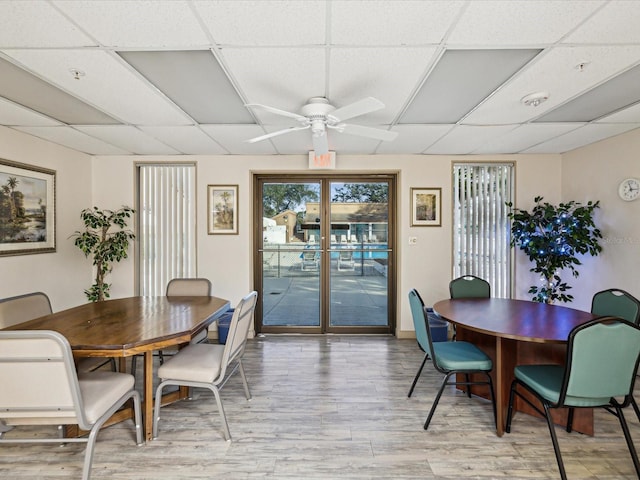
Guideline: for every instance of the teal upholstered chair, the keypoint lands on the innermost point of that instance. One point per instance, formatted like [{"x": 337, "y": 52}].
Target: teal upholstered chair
[
  {"x": 449, "y": 358},
  {"x": 602, "y": 358},
  {"x": 618, "y": 303},
  {"x": 469, "y": 286}
]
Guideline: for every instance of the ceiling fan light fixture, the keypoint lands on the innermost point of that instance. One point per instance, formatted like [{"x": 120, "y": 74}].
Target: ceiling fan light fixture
[{"x": 535, "y": 99}]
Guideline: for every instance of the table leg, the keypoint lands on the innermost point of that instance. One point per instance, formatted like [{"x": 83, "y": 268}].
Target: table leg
[
  {"x": 504, "y": 363},
  {"x": 147, "y": 407}
]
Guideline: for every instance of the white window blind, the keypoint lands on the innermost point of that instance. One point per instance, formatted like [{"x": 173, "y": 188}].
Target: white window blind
[
  {"x": 481, "y": 226},
  {"x": 167, "y": 225}
]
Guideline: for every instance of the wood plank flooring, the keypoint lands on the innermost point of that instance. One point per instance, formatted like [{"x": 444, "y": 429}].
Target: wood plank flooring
[{"x": 333, "y": 407}]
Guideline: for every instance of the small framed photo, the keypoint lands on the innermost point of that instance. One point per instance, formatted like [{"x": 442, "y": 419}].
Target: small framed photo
[
  {"x": 27, "y": 209},
  {"x": 426, "y": 207},
  {"x": 222, "y": 209}
]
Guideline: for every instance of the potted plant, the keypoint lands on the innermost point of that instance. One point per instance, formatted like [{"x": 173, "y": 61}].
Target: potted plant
[
  {"x": 106, "y": 239},
  {"x": 553, "y": 237}
]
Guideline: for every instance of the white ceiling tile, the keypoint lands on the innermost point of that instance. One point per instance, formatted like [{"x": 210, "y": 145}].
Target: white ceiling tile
[
  {"x": 128, "y": 138},
  {"x": 523, "y": 137},
  {"x": 35, "y": 24},
  {"x": 376, "y": 22},
  {"x": 13, "y": 114},
  {"x": 107, "y": 84},
  {"x": 464, "y": 139},
  {"x": 284, "y": 78},
  {"x": 553, "y": 72},
  {"x": 233, "y": 138},
  {"x": 580, "y": 137},
  {"x": 295, "y": 143},
  {"x": 617, "y": 22},
  {"x": 413, "y": 138},
  {"x": 264, "y": 23},
  {"x": 388, "y": 74},
  {"x": 519, "y": 22},
  {"x": 74, "y": 139},
  {"x": 627, "y": 115},
  {"x": 189, "y": 140},
  {"x": 145, "y": 24}
]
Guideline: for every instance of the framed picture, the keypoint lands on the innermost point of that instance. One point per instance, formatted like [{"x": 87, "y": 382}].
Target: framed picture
[
  {"x": 426, "y": 207},
  {"x": 222, "y": 208},
  {"x": 27, "y": 209}
]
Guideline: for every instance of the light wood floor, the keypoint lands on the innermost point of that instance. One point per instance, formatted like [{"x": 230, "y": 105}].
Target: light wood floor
[{"x": 334, "y": 407}]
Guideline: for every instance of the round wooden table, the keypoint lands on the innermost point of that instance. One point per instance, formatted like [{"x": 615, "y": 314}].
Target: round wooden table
[{"x": 516, "y": 332}]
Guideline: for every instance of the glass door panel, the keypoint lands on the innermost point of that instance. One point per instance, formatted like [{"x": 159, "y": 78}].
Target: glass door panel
[
  {"x": 291, "y": 256},
  {"x": 359, "y": 252}
]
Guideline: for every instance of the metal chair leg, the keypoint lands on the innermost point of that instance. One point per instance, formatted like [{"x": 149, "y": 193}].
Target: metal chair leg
[
  {"x": 627, "y": 437},
  {"x": 415, "y": 380},
  {"x": 437, "y": 399},
  {"x": 554, "y": 441}
]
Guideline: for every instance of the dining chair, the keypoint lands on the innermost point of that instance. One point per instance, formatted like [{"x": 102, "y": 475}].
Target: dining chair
[
  {"x": 469, "y": 286},
  {"x": 22, "y": 308},
  {"x": 205, "y": 365},
  {"x": 41, "y": 386},
  {"x": 601, "y": 362},
  {"x": 618, "y": 303},
  {"x": 183, "y": 287},
  {"x": 449, "y": 358}
]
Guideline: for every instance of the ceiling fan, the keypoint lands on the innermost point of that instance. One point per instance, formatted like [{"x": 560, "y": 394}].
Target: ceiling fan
[{"x": 318, "y": 115}]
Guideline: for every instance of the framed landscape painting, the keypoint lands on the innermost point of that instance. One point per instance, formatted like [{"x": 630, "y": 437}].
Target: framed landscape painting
[
  {"x": 426, "y": 207},
  {"x": 222, "y": 209},
  {"x": 27, "y": 209}
]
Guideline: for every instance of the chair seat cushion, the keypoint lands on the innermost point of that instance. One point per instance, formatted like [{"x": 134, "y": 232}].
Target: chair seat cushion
[
  {"x": 546, "y": 380},
  {"x": 101, "y": 390},
  {"x": 195, "y": 363},
  {"x": 461, "y": 356}
]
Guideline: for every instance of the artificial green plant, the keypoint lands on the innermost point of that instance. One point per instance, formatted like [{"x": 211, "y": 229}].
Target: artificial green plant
[
  {"x": 553, "y": 237},
  {"x": 106, "y": 238}
]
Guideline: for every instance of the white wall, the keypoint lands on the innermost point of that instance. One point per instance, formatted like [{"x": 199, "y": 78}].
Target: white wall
[
  {"x": 589, "y": 173},
  {"x": 226, "y": 259},
  {"x": 594, "y": 173},
  {"x": 65, "y": 274}
]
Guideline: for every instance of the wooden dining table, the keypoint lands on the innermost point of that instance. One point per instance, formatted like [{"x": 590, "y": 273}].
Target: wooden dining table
[
  {"x": 516, "y": 332},
  {"x": 125, "y": 327}
]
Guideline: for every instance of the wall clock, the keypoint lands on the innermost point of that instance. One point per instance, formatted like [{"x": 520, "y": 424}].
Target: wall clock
[{"x": 629, "y": 189}]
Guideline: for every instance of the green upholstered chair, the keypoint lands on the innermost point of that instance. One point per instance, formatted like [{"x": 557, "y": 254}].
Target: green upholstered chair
[
  {"x": 469, "y": 286},
  {"x": 618, "y": 303},
  {"x": 449, "y": 358},
  {"x": 602, "y": 358}
]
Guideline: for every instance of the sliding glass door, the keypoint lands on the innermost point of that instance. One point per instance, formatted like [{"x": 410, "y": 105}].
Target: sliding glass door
[{"x": 324, "y": 254}]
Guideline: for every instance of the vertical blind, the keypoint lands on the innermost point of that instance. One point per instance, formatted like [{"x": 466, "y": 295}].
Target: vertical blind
[
  {"x": 481, "y": 227},
  {"x": 167, "y": 225}
]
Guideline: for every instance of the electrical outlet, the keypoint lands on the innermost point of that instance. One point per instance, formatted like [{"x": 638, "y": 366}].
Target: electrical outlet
[{"x": 413, "y": 240}]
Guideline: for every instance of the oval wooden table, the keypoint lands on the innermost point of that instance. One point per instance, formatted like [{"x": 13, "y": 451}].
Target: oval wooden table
[
  {"x": 128, "y": 326},
  {"x": 516, "y": 332}
]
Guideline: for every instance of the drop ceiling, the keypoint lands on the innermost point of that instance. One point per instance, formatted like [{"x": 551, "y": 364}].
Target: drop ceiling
[{"x": 172, "y": 77}]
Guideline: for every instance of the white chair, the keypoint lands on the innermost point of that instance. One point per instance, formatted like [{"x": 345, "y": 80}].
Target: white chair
[
  {"x": 334, "y": 239},
  {"x": 209, "y": 366},
  {"x": 343, "y": 239},
  {"x": 41, "y": 386},
  {"x": 354, "y": 239},
  {"x": 184, "y": 287},
  {"x": 22, "y": 308}
]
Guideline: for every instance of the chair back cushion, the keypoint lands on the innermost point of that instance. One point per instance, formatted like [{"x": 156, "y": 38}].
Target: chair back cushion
[
  {"x": 616, "y": 303},
  {"x": 241, "y": 322},
  {"x": 602, "y": 359},
  {"x": 420, "y": 321},
  {"x": 469, "y": 286},
  {"x": 200, "y": 287},
  {"x": 23, "y": 308},
  {"x": 39, "y": 384}
]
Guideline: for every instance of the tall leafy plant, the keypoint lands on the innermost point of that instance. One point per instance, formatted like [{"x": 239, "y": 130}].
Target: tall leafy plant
[
  {"x": 106, "y": 239},
  {"x": 553, "y": 237}
]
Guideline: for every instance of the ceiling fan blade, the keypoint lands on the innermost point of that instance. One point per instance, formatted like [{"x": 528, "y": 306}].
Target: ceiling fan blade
[
  {"x": 363, "y": 131},
  {"x": 275, "y": 134},
  {"x": 366, "y": 105},
  {"x": 277, "y": 111},
  {"x": 320, "y": 143}
]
